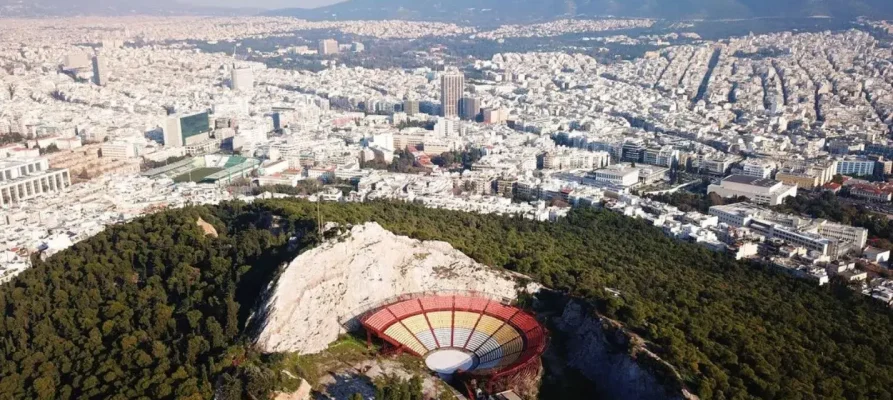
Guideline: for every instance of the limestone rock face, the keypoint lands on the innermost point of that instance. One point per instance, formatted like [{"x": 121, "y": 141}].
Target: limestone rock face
[
  {"x": 346, "y": 276},
  {"x": 599, "y": 349}
]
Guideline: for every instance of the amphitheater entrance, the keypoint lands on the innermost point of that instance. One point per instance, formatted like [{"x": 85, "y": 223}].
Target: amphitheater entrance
[{"x": 448, "y": 361}]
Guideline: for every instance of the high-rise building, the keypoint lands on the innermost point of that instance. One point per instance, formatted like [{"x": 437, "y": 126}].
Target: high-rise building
[
  {"x": 242, "y": 78},
  {"x": 76, "y": 60},
  {"x": 452, "y": 87},
  {"x": 173, "y": 135},
  {"x": 99, "y": 70},
  {"x": 277, "y": 121},
  {"x": 328, "y": 46},
  {"x": 471, "y": 108},
  {"x": 411, "y": 107},
  {"x": 186, "y": 130}
]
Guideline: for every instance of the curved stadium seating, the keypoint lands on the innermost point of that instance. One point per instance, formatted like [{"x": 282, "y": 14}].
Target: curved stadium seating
[{"x": 498, "y": 335}]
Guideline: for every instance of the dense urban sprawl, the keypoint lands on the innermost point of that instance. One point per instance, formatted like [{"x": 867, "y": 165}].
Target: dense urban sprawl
[{"x": 111, "y": 119}]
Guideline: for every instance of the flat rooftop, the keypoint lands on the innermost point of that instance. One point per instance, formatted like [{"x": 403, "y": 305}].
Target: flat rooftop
[{"x": 751, "y": 180}]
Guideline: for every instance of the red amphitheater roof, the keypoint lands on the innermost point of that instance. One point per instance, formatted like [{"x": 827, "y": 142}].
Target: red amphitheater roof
[{"x": 468, "y": 333}]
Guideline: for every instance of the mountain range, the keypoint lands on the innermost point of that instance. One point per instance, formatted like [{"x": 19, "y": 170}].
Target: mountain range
[
  {"x": 476, "y": 11},
  {"x": 46, "y": 8},
  {"x": 503, "y": 11}
]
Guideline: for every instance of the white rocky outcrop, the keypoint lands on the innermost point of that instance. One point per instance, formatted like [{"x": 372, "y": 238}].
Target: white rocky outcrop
[{"x": 345, "y": 276}]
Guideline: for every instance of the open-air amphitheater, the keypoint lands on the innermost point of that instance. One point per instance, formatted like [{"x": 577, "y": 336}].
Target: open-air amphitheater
[
  {"x": 422, "y": 298},
  {"x": 475, "y": 338}
]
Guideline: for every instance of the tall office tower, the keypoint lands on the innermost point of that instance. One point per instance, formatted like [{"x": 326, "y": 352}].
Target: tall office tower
[
  {"x": 242, "y": 78},
  {"x": 99, "y": 72},
  {"x": 471, "y": 107},
  {"x": 328, "y": 46},
  {"x": 452, "y": 87},
  {"x": 187, "y": 130},
  {"x": 277, "y": 121},
  {"x": 411, "y": 107},
  {"x": 76, "y": 60},
  {"x": 173, "y": 132}
]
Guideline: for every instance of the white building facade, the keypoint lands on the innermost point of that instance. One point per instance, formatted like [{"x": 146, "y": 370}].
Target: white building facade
[
  {"x": 755, "y": 189},
  {"x": 25, "y": 179}
]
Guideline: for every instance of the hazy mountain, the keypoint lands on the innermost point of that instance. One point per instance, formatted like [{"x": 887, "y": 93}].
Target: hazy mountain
[
  {"x": 37, "y": 8},
  {"x": 482, "y": 11}
]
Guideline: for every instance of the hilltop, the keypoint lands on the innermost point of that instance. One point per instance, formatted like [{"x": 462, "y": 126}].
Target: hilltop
[{"x": 159, "y": 307}]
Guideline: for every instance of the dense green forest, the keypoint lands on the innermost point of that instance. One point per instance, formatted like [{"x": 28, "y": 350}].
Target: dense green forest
[
  {"x": 153, "y": 309},
  {"x": 732, "y": 329},
  {"x": 157, "y": 309}
]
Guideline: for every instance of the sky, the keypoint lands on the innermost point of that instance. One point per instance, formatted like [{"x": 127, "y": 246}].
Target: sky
[{"x": 263, "y": 3}]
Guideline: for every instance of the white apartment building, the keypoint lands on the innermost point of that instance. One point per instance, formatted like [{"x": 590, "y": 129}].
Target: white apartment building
[
  {"x": 757, "y": 169},
  {"x": 576, "y": 159},
  {"x": 446, "y": 127},
  {"x": 328, "y": 46},
  {"x": 119, "y": 150},
  {"x": 715, "y": 166},
  {"x": 757, "y": 190},
  {"x": 664, "y": 156},
  {"x": 25, "y": 179},
  {"x": 855, "y": 167},
  {"x": 854, "y": 236},
  {"x": 242, "y": 78}
]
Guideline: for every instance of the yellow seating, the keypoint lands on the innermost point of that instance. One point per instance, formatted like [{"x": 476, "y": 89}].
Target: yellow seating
[
  {"x": 440, "y": 319},
  {"x": 416, "y": 324},
  {"x": 464, "y": 319},
  {"x": 505, "y": 334},
  {"x": 399, "y": 333},
  {"x": 488, "y": 325}
]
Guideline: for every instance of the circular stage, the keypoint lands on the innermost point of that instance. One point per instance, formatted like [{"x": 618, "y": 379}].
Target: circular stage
[
  {"x": 473, "y": 338},
  {"x": 448, "y": 361}
]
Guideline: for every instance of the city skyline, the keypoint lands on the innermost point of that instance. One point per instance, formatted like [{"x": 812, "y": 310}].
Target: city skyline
[{"x": 229, "y": 207}]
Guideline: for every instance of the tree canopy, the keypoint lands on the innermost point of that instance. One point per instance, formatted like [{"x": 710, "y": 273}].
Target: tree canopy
[
  {"x": 732, "y": 329},
  {"x": 156, "y": 309},
  {"x": 150, "y": 310},
  {"x": 829, "y": 206}
]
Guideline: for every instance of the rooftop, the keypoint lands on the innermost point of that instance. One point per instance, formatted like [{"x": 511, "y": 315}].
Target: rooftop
[{"x": 751, "y": 180}]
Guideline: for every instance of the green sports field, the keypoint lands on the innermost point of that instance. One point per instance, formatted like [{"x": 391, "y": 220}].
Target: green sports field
[{"x": 196, "y": 175}]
